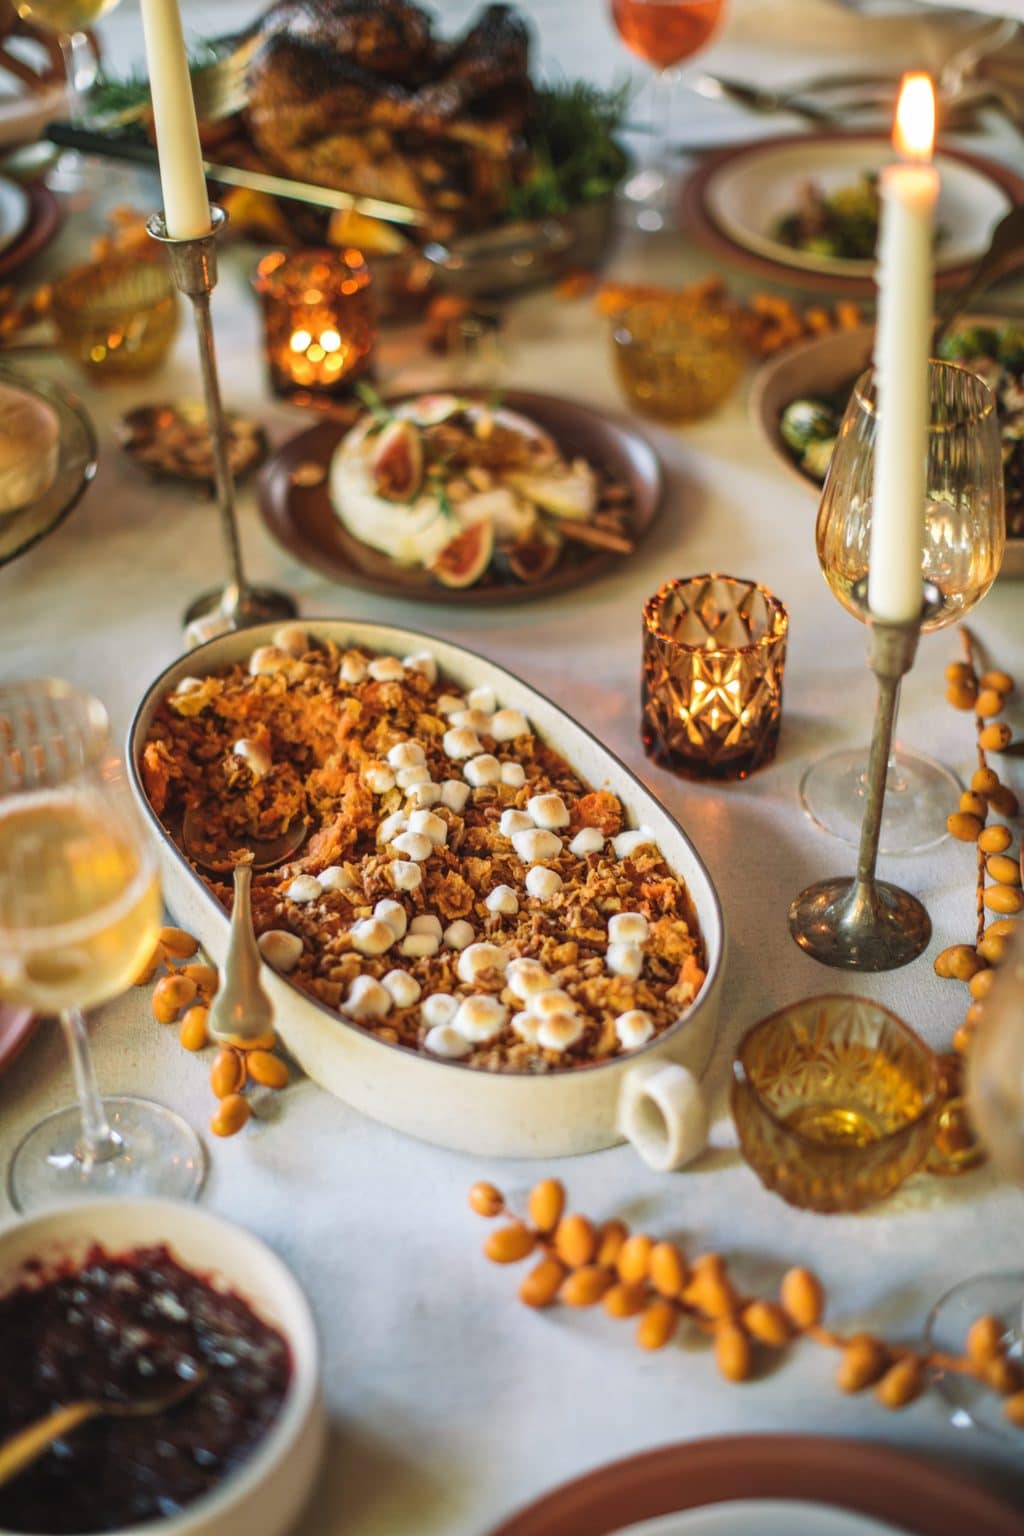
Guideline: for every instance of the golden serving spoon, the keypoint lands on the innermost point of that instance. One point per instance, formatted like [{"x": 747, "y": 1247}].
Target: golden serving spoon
[{"x": 22, "y": 1449}]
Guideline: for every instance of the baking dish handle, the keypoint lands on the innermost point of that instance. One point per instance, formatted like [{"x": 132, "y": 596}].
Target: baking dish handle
[{"x": 662, "y": 1113}]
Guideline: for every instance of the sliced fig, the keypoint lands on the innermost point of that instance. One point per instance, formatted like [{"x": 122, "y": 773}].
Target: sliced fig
[
  {"x": 533, "y": 558},
  {"x": 397, "y": 462},
  {"x": 465, "y": 558}
]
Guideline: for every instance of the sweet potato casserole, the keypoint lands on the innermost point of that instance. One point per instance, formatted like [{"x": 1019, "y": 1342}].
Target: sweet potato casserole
[{"x": 460, "y": 891}]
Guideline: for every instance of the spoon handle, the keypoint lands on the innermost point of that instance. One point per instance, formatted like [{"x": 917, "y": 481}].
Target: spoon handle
[
  {"x": 241, "y": 1012},
  {"x": 22, "y": 1449}
]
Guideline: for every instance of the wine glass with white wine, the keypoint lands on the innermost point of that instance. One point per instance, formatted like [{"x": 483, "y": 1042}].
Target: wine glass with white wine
[
  {"x": 963, "y": 535},
  {"x": 70, "y": 21},
  {"x": 80, "y": 913}
]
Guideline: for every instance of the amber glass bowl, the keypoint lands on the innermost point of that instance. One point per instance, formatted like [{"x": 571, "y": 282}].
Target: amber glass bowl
[
  {"x": 116, "y": 318},
  {"x": 834, "y": 1100},
  {"x": 676, "y": 360}
]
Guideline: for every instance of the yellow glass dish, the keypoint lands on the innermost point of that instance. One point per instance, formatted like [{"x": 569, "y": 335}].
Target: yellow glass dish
[
  {"x": 676, "y": 360},
  {"x": 834, "y": 1099},
  {"x": 116, "y": 318}
]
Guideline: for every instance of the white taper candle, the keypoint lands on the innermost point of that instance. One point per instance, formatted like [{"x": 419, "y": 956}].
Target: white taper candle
[
  {"x": 186, "y": 203},
  {"x": 909, "y": 192}
]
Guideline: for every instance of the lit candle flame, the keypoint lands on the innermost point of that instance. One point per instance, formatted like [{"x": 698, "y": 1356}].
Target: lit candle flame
[{"x": 914, "y": 133}]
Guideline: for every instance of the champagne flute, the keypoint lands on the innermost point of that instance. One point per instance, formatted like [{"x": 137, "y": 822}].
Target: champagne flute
[
  {"x": 663, "y": 33},
  {"x": 80, "y": 913},
  {"x": 963, "y": 537},
  {"x": 69, "y": 21}
]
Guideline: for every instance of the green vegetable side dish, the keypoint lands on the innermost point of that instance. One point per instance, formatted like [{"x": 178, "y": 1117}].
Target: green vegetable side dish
[
  {"x": 840, "y": 225},
  {"x": 808, "y": 427}
]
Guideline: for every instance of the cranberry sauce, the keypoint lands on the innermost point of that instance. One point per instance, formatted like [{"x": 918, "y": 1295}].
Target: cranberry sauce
[{"x": 126, "y": 1328}]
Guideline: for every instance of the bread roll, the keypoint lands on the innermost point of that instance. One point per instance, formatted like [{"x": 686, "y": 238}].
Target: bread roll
[{"x": 29, "y": 443}]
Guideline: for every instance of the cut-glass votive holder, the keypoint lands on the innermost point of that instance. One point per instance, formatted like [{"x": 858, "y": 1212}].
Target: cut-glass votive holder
[
  {"x": 713, "y": 659},
  {"x": 318, "y": 321}
]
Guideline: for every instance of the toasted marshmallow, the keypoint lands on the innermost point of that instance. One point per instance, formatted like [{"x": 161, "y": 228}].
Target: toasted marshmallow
[
  {"x": 189, "y": 685},
  {"x": 353, "y": 668},
  {"x": 547, "y": 811},
  {"x": 403, "y": 989},
  {"x": 448, "y": 703},
  {"x": 429, "y": 826},
  {"x": 502, "y": 899},
  {"x": 367, "y": 999},
  {"x": 513, "y": 821},
  {"x": 413, "y": 845},
  {"x": 406, "y": 754},
  {"x": 551, "y": 1000},
  {"x": 304, "y": 888},
  {"x": 392, "y": 913},
  {"x": 480, "y": 1018},
  {"x": 587, "y": 840},
  {"x": 336, "y": 878},
  {"x": 281, "y": 949},
  {"x": 628, "y": 928},
  {"x": 445, "y": 1041},
  {"x": 438, "y": 1008},
  {"x": 405, "y": 875},
  {"x": 426, "y": 923},
  {"x": 454, "y": 795},
  {"x": 420, "y": 946},
  {"x": 483, "y": 699},
  {"x": 481, "y": 770},
  {"x": 477, "y": 959},
  {"x": 536, "y": 845},
  {"x": 458, "y": 743},
  {"x": 254, "y": 755},
  {"x": 267, "y": 659},
  {"x": 293, "y": 639},
  {"x": 627, "y": 843},
  {"x": 378, "y": 778},
  {"x": 543, "y": 883},
  {"x": 526, "y": 978},
  {"x": 513, "y": 774},
  {"x": 470, "y": 720},
  {"x": 459, "y": 935},
  {"x": 625, "y": 960},
  {"x": 526, "y": 1026},
  {"x": 372, "y": 936},
  {"x": 419, "y": 773},
  {"x": 423, "y": 794},
  {"x": 634, "y": 1028},
  {"x": 386, "y": 669},
  {"x": 559, "y": 1031},
  {"x": 507, "y": 724},
  {"x": 391, "y": 826},
  {"x": 424, "y": 662}
]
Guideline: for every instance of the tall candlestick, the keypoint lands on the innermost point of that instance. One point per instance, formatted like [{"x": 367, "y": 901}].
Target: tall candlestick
[
  {"x": 186, "y": 204},
  {"x": 909, "y": 191}
]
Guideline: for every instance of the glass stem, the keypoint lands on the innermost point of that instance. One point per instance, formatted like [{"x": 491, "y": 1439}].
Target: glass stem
[
  {"x": 81, "y": 69},
  {"x": 663, "y": 95},
  {"x": 895, "y": 783},
  {"x": 98, "y": 1142}
]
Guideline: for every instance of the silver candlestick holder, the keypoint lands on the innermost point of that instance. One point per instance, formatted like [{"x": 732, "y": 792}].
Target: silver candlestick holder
[
  {"x": 865, "y": 924},
  {"x": 194, "y": 268}
]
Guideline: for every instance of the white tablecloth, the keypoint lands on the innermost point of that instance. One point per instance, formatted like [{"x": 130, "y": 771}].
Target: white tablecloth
[{"x": 451, "y": 1404}]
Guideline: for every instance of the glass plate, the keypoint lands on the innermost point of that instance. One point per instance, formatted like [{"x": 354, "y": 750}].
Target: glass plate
[{"x": 76, "y": 466}]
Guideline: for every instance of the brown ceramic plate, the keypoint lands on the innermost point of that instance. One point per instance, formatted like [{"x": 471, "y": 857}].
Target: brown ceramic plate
[
  {"x": 17, "y": 1026},
  {"x": 821, "y": 366},
  {"x": 913, "y": 1494},
  {"x": 302, "y": 519},
  {"x": 703, "y": 205},
  {"x": 43, "y": 224}
]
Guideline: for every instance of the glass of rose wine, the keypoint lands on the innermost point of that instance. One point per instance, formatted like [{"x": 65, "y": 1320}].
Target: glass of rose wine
[
  {"x": 663, "y": 33},
  {"x": 80, "y": 913}
]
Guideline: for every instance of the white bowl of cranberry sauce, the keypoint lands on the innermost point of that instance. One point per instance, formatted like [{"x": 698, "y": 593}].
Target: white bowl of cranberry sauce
[{"x": 122, "y": 1300}]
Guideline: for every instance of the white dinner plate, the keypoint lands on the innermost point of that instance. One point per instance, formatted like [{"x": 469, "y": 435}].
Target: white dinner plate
[
  {"x": 14, "y": 212},
  {"x": 751, "y": 192},
  {"x": 764, "y": 1517}
]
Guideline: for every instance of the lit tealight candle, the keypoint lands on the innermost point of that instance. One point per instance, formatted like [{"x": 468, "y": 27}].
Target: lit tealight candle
[
  {"x": 909, "y": 191},
  {"x": 182, "y": 179}
]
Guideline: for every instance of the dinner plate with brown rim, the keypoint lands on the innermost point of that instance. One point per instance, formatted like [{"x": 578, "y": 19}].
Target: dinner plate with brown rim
[
  {"x": 917, "y": 1496},
  {"x": 720, "y": 210},
  {"x": 302, "y": 519},
  {"x": 43, "y": 222}
]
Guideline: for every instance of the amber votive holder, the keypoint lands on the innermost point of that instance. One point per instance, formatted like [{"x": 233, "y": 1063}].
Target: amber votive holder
[
  {"x": 834, "y": 1100},
  {"x": 714, "y": 651},
  {"x": 318, "y": 321},
  {"x": 117, "y": 317}
]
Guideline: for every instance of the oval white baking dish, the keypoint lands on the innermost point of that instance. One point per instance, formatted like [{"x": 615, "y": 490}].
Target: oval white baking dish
[{"x": 491, "y": 1114}]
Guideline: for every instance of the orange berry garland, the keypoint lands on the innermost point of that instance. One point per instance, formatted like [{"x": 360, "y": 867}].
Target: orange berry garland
[
  {"x": 635, "y": 1276},
  {"x": 182, "y": 996}
]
